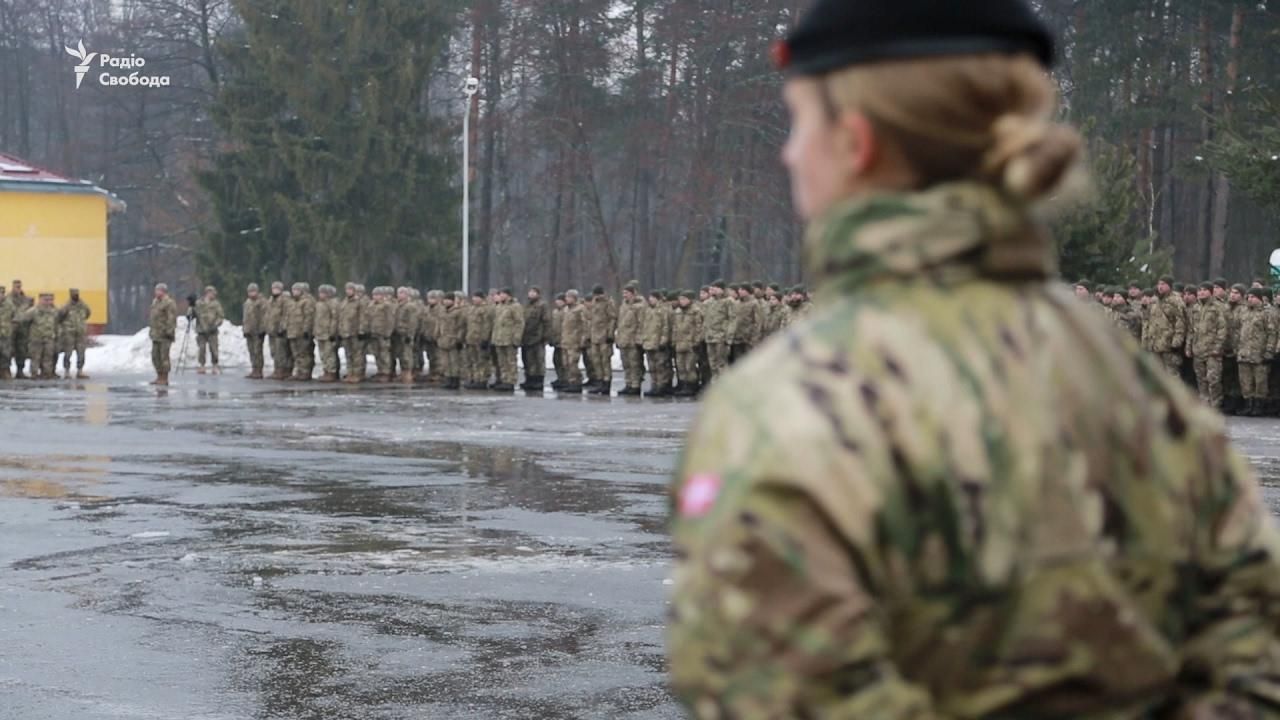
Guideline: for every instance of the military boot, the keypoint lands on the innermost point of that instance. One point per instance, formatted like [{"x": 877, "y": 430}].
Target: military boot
[
  {"x": 557, "y": 384},
  {"x": 328, "y": 378},
  {"x": 19, "y": 376},
  {"x": 659, "y": 391},
  {"x": 535, "y": 384},
  {"x": 572, "y": 389},
  {"x": 604, "y": 388}
]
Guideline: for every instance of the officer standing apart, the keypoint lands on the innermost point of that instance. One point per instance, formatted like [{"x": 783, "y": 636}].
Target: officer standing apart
[
  {"x": 209, "y": 317},
  {"x": 164, "y": 328},
  {"x": 954, "y": 491}
]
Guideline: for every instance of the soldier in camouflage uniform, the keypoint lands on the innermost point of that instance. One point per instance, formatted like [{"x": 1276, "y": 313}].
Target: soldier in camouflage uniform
[
  {"x": 382, "y": 323},
  {"x": 402, "y": 336},
  {"x": 1124, "y": 315},
  {"x": 655, "y": 335},
  {"x": 349, "y": 329},
  {"x": 479, "y": 337},
  {"x": 6, "y": 335},
  {"x": 603, "y": 322},
  {"x": 742, "y": 325},
  {"x": 277, "y": 314},
  {"x": 253, "y": 323},
  {"x": 575, "y": 337},
  {"x": 686, "y": 332},
  {"x": 955, "y": 493},
  {"x": 73, "y": 333},
  {"x": 1208, "y": 341},
  {"x": 627, "y": 337},
  {"x": 508, "y": 331},
  {"x": 1168, "y": 326},
  {"x": 431, "y": 320},
  {"x": 326, "y": 332},
  {"x": 704, "y": 361},
  {"x": 717, "y": 317},
  {"x": 18, "y": 303},
  {"x": 553, "y": 337},
  {"x": 163, "y": 329},
  {"x": 300, "y": 322},
  {"x": 1232, "y": 397},
  {"x": 209, "y": 317},
  {"x": 41, "y": 323},
  {"x": 533, "y": 341},
  {"x": 1255, "y": 349}
]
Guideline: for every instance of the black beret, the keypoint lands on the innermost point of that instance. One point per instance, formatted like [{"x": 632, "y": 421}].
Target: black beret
[
  {"x": 597, "y": 290},
  {"x": 688, "y": 294},
  {"x": 1240, "y": 287},
  {"x": 1149, "y": 292},
  {"x": 1084, "y": 284},
  {"x": 1206, "y": 285},
  {"x": 1166, "y": 279},
  {"x": 478, "y": 293},
  {"x": 1258, "y": 293},
  {"x": 1220, "y": 282},
  {"x": 718, "y": 284},
  {"x": 835, "y": 34}
]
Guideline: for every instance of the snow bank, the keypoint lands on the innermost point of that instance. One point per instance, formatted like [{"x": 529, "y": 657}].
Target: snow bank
[{"x": 132, "y": 353}]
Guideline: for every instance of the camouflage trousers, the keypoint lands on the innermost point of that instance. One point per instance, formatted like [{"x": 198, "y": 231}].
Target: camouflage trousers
[
  {"x": 687, "y": 367},
  {"x": 571, "y": 376},
  {"x": 478, "y": 365},
  {"x": 6, "y": 353},
  {"x": 450, "y": 362},
  {"x": 401, "y": 354},
  {"x": 633, "y": 365},
  {"x": 602, "y": 358},
  {"x": 589, "y": 364},
  {"x": 1209, "y": 380},
  {"x": 557, "y": 361},
  {"x": 1172, "y": 361},
  {"x": 160, "y": 356},
  {"x": 353, "y": 347},
  {"x": 20, "y": 348},
  {"x": 717, "y": 358},
  {"x": 659, "y": 368},
  {"x": 1254, "y": 379},
  {"x": 379, "y": 346},
  {"x": 74, "y": 343},
  {"x": 507, "y": 373},
  {"x": 44, "y": 356},
  {"x": 304, "y": 356},
  {"x": 281, "y": 354},
  {"x": 207, "y": 342},
  {"x": 328, "y": 349},
  {"x": 254, "y": 343},
  {"x": 534, "y": 359},
  {"x": 437, "y": 361}
]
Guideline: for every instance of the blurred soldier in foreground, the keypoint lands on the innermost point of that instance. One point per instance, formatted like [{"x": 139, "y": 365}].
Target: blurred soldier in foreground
[
  {"x": 954, "y": 491},
  {"x": 209, "y": 317},
  {"x": 73, "y": 333},
  {"x": 163, "y": 330}
]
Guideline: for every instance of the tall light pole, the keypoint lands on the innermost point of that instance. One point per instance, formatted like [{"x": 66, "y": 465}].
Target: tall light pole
[{"x": 469, "y": 89}]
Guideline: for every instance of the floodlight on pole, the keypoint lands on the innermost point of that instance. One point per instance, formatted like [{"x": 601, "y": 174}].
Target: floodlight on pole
[{"x": 469, "y": 89}]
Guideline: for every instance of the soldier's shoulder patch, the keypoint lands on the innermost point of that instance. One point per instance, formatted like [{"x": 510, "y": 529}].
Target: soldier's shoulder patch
[{"x": 699, "y": 494}]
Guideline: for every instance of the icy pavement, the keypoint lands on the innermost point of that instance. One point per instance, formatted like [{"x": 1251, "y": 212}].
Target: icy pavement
[{"x": 227, "y": 549}]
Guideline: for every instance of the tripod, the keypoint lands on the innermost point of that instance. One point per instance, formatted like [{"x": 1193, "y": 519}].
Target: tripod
[{"x": 186, "y": 337}]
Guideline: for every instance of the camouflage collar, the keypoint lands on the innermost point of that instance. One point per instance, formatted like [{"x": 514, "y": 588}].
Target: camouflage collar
[{"x": 949, "y": 234}]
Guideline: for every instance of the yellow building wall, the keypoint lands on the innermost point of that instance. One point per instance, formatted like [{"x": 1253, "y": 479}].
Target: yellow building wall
[{"x": 54, "y": 242}]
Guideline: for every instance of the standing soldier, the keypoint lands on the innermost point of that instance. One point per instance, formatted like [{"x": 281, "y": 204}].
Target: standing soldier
[
  {"x": 382, "y": 323},
  {"x": 326, "y": 332},
  {"x": 1124, "y": 315},
  {"x": 431, "y": 320},
  {"x": 603, "y": 322},
  {"x": 419, "y": 336},
  {"x": 655, "y": 334},
  {"x": 300, "y": 322},
  {"x": 743, "y": 325},
  {"x": 277, "y": 316},
  {"x": 575, "y": 337},
  {"x": 686, "y": 332},
  {"x": 717, "y": 317},
  {"x": 1236, "y": 306},
  {"x": 533, "y": 341},
  {"x": 73, "y": 333},
  {"x": 19, "y": 303},
  {"x": 508, "y": 329},
  {"x": 349, "y": 323},
  {"x": 704, "y": 365},
  {"x": 6, "y": 335},
  {"x": 41, "y": 324},
  {"x": 557, "y": 349},
  {"x": 209, "y": 317},
  {"x": 627, "y": 336},
  {"x": 1207, "y": 344},
  {"x": 450, "y": 336},
  {"x": 1168, "y": 326},
  {"x": 402, "y": 337},
  {"x": 164, "y": 327},
  {"x": 253, "y": 323},
  {"x": 479, "y": 336},
  {"x": 1255, "y": 343}
]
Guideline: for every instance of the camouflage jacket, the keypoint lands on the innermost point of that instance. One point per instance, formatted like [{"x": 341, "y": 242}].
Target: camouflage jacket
[
  {"x": 209, "y": 316},
  {"x": 573, "y": 329},
  {"x": 7, "y": 313},
  {"x": 277, "y": 313},
  {"x": 628, "y": 330},
  {"x": 164, "y": 319},
  {"x": 349, "y": 317},
  {"x": 1235, "y": 314},
  {"x": 300, "y": 317},
  {"x": 449, "y": 330},
  {"x": 1255, "y": 338},
  {"x": 429, "y": 322},
  {"x": 716, "y": 317},
  {"x": 1127, "y": 319},
  {"x": 1168, "y": 325},
  {"x": 508, "y": 324},
  {"x": 73, "y": 319},
  {"x": 537, "y": 323},
  {"x": 382, "y": 318},
  {"x": 655, "y": 327},
  {"x": 742, "y": 322},
  {"x": 41, "y": 322},
  {"x": 406, "y": 325},
  {"x": 479, "y": 323},
  {"x": 326, "y": 323},
  {"x": 686, "y": 328},
  {"x": 603, "y": 318},
  {"x": 365, "y": 303},
  {"x": 253, "y": 319},
  {"x": 954, "y": 491},
  {"x": 1211, "y": 328},
  {"x": 554, "y": 329}
]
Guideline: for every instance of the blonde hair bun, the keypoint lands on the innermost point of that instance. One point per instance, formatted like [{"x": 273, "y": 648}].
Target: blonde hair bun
[{"x": 1030, "y": 156}]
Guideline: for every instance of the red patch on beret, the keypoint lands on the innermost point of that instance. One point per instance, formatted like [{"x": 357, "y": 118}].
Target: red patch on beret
[
  {"x": 699, "y": 494},
  {"x": 780, "y": 53}
]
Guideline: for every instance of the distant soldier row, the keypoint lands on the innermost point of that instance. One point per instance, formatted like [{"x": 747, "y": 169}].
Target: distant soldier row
[
  {"x": 39, "y": 332},
  {"x": 1221, "y": 339},
  {"x": 681, "y": 339}
]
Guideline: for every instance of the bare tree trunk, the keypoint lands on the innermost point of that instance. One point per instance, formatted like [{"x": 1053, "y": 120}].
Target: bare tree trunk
[
  {"x": 1205, "y": 219},
  {"x": 1221, "y": 187}
]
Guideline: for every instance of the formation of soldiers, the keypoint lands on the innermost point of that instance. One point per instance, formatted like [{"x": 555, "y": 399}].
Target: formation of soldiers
[
  {"x": 1221, "y": 339},
  {"x": 38, "y": 332},
  {"x": 681, "y": 339}
]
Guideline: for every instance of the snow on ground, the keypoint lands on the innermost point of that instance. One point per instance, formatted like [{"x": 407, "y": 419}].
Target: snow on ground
[{"x": 132, "y": 353}]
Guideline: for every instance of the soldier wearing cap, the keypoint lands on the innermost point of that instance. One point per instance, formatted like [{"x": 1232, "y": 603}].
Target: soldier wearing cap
[
  {"x": 954, "y": 492},
  {"x": 18, "y": 303},
  {"x": 73, "y": 333},
  {"x": 41, "y": 323},
  {"x": 209, "y": 317},
  {"x": 253, "y": 324},
  {"x": 1255, "y": 349},
  {"x": 6, "y": 334},
  {"x": 277, "y": 327},
  {"x": 533, "y": 340},
  {"x": 163, "y": 329}
]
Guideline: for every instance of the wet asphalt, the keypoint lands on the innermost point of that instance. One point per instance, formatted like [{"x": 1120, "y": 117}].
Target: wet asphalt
[
  {"x": 233, "y": 550},
  {"x": 225, "y": 549}
]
